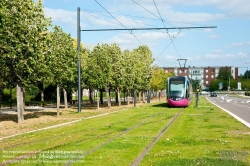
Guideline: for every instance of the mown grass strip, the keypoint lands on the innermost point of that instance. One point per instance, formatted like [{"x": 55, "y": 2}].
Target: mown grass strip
[
  {"x": 81, "y": 136},
  {"x": 202, "y": 136},
  {"x": 199, "y": 136}
]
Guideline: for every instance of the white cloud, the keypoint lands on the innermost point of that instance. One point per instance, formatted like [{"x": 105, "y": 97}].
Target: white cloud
[
  {"x": 128, "y": 41},
  {"x": 171, "y": 57},
  {"x": 225, "y": 56},
  {"x": 194, "y": 58},
  {"x": 240, "y": 44},
  {"x": 213, "y": 36},
  {"x": 236, "y": 7},
  {"x": 59, "y": 14},
  {"x": 193, "y": 17}
]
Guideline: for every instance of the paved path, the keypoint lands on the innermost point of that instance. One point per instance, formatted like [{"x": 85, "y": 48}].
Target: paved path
[
  {"x": 8, "y": 110},
  {"x": 235, "y": 106}
]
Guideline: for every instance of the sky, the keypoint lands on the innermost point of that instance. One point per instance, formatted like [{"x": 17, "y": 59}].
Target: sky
[{"x": 226, "y": 45}]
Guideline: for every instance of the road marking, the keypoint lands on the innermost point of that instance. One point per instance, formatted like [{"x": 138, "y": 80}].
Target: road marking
[{"x": 233, "y": 115}]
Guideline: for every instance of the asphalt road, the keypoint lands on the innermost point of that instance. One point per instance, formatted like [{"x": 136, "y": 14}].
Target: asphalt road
[{"x": 236, "y": 106}]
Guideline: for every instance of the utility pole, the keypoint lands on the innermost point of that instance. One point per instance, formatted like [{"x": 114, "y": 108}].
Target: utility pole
[
  {"x": 79, "y": 60},
  {"x": 182, "y": 69}
]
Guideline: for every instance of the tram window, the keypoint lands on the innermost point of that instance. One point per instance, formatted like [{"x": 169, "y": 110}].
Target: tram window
[{"x": 177, "y": 88}]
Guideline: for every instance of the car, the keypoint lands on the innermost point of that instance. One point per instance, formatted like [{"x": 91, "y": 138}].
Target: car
[{"x": 213, "y": 94}]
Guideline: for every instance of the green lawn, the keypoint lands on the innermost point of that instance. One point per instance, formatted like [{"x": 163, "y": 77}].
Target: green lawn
[{"x": 200, "y": 136}]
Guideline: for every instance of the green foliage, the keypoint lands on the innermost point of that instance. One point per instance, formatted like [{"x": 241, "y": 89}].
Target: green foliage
[
  {"x": 31, "y": 55},
  {"x": 109, "y": 67},
  {"x": 159, "y": 80},
  {"x": 246, "y": 74},
  {"x": 224, "y": 73},
  {"x": 195, "y": 83},
  {"x": 63, "y": 56},
  {"x": 144, "y": 71},
  {"x": 22, "y": 39},
  {"x": 215, "y": 84}
]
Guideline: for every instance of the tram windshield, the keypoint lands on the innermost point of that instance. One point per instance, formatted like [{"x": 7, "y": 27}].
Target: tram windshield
[{"x": 177, "y": 88}]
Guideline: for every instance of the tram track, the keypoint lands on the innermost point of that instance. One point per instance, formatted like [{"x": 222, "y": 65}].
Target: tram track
[
  {"x": 140, "y": 157},
  {"x": 152, "y": 143},
  {"x": 144, "y": 120},
  {"x": 111, "y": 139}
]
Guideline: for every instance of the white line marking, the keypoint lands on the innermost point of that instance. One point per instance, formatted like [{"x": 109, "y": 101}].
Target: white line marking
[{"x": 233, "y": 115}]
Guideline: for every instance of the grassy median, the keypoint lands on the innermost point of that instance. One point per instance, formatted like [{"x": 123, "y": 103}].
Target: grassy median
[{"x": 200, "y": 136}]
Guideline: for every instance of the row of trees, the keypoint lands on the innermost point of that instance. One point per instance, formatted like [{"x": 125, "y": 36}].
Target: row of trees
[
  {"x": 107, "y": 67},
  {"x": 31, "y": 54},
  {"x": 225, "y": 77}
]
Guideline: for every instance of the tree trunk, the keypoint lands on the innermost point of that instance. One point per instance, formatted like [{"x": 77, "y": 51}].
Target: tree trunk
[
  {"x": 128, "y": 98},
  {"x": 101, "y": 96},
  {"x": 91, "y": 96},
  {"x": 108, "y": 97},
  {"x": 42, "y": 98},
  {"x": 41, "y": 88},
  {"x": 11, "y": 97},
  {"x": 20, "y": 104},
  {"x": 139, "y": 96},
  {"x": 97, "y": 100},
  {"x": 124, "y": 93},
  {"x": 143, "y": 96},
  {"x": 58, "y": 100},
  {"x": 65, "y": 98},
  {"x": 118, "y": 97}
]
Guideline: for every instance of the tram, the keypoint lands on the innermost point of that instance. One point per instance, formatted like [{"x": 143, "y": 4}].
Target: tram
[{"x": 179, "y": 91}]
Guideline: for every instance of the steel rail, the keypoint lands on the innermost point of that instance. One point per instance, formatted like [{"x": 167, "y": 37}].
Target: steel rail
[
  {"x": 145, "y": 151},
  {"x": 111, "y": 139}
]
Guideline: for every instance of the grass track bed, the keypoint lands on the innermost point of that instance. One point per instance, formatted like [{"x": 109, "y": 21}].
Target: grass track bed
[
  {"x": 202, "y": 136},
  {"x": 84, "y": 135},
  {"x": 199, "y": 136}
]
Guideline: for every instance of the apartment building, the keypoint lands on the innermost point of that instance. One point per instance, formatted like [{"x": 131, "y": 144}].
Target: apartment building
[{"x": 204, "y": 74}]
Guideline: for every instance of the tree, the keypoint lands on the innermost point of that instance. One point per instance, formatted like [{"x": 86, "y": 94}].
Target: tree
[
  {"x": 118, "y": 70},
  {"x": 224, "y": 73},
  {"x": 159, "y": 79},
  {"x": 43, "y": 77},
  {"x": 99, "y": 72},
  {"x": 246, "y": 74},
  {"x": 24, "y": 30},
  {"x": 62, "y": 61},
  {"x": 129, "y": 74},
  {"x": 143, "y": 68}
]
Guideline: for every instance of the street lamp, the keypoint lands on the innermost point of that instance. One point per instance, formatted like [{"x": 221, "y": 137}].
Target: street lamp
[{"x": 247, "y": 76}]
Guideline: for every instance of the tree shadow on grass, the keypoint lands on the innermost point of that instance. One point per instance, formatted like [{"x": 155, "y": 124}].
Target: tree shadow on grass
[{"x": 29, "y": 115}]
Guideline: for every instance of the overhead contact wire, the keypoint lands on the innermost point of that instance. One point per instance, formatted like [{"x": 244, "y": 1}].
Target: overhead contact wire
[
  {"x": 131, "y": 32},
  {"x": 167, "y": 30}
]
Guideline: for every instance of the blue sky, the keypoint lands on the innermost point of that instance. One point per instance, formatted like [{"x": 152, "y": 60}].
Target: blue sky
[{"x": 226, "y": 45}]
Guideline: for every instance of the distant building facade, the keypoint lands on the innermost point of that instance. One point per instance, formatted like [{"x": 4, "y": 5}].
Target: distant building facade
[{"x": 204, "y": 74}]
